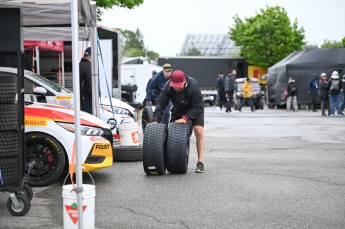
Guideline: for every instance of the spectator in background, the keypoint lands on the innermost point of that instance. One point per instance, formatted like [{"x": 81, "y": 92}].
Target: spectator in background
[
  {"x": 323, "y": 91},
  {"x": 221, "y": 92},
  {"x": 141, "y": 106},
  {"x": 334, "y": 87},
  {"x": 342, "y": 107},
  {"x": 313, "y": 91},
  {"x": 155, "y": 87},
  {"x": 247, "y": 90},
  {"x": 85, "y": 82},
  {"x": 291, "y": 95},
  {"x": 154, "y": 73},
  {"x": 229, "y": 89}
]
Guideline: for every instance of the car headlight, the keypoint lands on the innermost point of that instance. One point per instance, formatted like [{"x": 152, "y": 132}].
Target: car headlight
[
  {"x": 84, "y": 130},
  {"x": 118, "y": 110}
]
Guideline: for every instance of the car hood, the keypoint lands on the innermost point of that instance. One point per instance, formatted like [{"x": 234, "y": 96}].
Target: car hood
[
  {"x": 62, "y": 114},
  {"x": 116, "y": 103}
]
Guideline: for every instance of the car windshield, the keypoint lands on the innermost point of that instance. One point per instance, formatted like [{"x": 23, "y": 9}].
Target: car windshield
[
  {"x": 51, "y": 84},
  {"x": 256, "y": 86}
]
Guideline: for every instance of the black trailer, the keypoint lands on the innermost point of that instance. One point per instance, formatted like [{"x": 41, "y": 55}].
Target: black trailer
[{"x": 205, "y": 70}]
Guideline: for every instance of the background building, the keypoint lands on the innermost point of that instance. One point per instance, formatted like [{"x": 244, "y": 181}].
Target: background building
[{"x": 210, "y": 45}]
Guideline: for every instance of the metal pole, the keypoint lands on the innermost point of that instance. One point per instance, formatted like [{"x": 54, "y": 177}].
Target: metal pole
[
  {"x": 76, "y": 87},
  {"x": 63, "y": 68},
  {"x": 37, "y": 60},
  {"x": 94, "y": 71}
]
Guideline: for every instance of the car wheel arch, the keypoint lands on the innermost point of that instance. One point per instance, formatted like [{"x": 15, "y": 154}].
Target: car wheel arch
[{"x": 56, "y": 139}]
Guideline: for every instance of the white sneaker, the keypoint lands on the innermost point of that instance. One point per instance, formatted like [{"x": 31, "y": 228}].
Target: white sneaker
[{"x": 218, "y": 109}]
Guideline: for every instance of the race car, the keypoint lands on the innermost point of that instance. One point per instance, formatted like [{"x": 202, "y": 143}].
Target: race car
[
  {"x": 114, "y": 111},
  {"x": 49, "y": 140}
]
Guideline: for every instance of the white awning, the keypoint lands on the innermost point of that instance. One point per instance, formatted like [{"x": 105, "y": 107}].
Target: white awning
[{"x": 51, "y": 20}]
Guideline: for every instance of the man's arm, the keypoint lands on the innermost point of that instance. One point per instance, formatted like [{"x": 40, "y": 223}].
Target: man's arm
[{"x": 197, "y": 103}]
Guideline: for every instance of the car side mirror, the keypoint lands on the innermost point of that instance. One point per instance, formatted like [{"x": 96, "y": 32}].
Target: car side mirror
[{"x": 39, "y": 91}]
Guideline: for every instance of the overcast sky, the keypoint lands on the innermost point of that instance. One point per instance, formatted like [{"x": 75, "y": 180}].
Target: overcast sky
[{"x": 165, "y": 23}]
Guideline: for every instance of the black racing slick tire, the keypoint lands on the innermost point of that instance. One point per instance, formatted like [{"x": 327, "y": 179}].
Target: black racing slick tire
[
  {"x": 147, "y": 116},
  {"x": 8, "y": 88},
  {"x": 128, "y": 153},
  {"x": 9, "y": 144},
  {"x": 45, "y": 159},
  {"x": 154, "y": 161},
  {"x": 10, "y": 171},
  {"x": 178, "y": 147},
  {"x": 8, "y": 117}
]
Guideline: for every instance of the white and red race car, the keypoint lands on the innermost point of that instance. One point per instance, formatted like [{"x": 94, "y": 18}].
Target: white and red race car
[
  {"x": 40, "y": 89},
  {"x": 49, "y": 140}
]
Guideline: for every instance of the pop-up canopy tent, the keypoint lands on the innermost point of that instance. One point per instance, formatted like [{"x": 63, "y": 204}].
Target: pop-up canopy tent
[
  {"x": 56, "y": 46},
  {"x": 61, "y": 20},
  {"x": 301, "y": 65}
]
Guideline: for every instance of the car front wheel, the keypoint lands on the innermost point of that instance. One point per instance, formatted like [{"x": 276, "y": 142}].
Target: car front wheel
[{"x": 45, "y": 159}]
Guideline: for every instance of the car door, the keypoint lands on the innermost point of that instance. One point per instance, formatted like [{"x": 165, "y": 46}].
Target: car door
[
  {"x": 55, "y": 94},
  {"x": 29, "y": 95}
]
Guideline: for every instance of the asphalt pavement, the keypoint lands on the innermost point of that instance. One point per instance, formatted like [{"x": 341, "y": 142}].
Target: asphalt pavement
[{"x": 264, "y": 169}]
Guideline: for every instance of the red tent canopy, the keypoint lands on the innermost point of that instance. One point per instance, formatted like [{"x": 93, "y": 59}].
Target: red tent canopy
[{"x": 45, "y": 45}]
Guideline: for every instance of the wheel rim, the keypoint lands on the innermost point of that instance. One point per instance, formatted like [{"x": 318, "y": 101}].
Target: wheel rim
[
  {"x": 40, "y": 159},
  {"x": 20, "y": 207}
]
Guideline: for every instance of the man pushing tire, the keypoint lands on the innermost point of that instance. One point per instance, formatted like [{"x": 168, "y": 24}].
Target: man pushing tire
[{"x": 184, "y": 93}]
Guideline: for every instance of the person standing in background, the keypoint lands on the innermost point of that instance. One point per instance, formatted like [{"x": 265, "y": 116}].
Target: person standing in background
[
  {"x": 342, "y": 107},
  {"x": 154, "y": 73},
  {"x": 313, "y": 89},
  {"x": 334, "y": 87},
  {"x": 86, "y": 82},
  {"x": 221, "y": 92},
  {"x": 323, "y": 91},
  {"x": 155, "y": 87},
  {"x": 247, "y": 89},
  {"x": 292, "y": 95},
  {"x": 229, "y": 89}
]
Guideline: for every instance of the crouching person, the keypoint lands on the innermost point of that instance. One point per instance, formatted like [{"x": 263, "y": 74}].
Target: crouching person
[{"x": 187, "y": 104}]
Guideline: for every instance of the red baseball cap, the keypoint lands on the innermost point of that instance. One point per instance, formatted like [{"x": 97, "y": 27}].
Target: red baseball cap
[{"x": 177, "y": 79}]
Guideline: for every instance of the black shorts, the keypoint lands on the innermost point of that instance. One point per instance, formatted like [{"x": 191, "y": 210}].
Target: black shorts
[{"x": 199, "y": 121}]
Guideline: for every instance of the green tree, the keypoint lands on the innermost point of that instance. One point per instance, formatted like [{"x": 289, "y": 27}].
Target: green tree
[
  {"x": 343, "y": 42},
  {"x": 152, "y": 55},
  {"x": 107, "y": 4},
  {"x": 132, "y": 45},
  {"x": 332, "y": 44},
  {"x": 133, "y": 52},
  {"x": 132, "y": 41},
  {"x": 192, "y": 52},
  {"x": 267, "y": 37}
]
